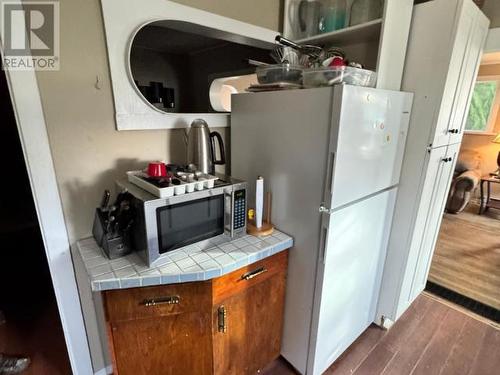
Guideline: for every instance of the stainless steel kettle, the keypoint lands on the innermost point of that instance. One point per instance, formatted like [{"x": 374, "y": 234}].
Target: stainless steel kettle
[{"x": 201, "y": 147}]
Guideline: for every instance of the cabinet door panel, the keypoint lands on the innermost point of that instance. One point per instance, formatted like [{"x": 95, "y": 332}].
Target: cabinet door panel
[
  {"x": 172, "y": 345},
  {"x": 253, "y": 328},
  {"x": 455, "y": 71},
  {"x": 468, "y": 78},
  {"x": 433, "y": 220},
  {"x": 434, "y": 167}
]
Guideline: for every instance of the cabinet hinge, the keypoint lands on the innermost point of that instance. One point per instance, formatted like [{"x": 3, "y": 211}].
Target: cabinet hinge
[{"x": 221, "y": 319}]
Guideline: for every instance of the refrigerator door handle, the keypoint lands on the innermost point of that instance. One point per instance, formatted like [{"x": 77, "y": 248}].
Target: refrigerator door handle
[
  {"x": 324, "y": 209},
  {"x": 324, "y": 235}
]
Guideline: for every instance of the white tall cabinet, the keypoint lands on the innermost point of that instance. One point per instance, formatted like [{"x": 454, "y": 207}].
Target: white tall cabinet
[{"x": 444, "y": 51}]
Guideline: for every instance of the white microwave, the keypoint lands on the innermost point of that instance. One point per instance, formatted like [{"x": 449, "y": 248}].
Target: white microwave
[{"x": 162, "y": 225}]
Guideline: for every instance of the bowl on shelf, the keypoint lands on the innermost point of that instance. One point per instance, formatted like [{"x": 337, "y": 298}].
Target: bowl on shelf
[
  {"x": 279, "y": 73},
  {"x": 329, "y": 76}
]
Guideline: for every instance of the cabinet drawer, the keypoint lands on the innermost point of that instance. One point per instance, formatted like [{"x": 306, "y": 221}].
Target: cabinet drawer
[
  {"x": 248, "y": 276},
  {"x": 156, "y": 301}
]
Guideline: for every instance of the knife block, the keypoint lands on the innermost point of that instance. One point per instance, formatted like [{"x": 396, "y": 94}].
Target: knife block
[{"x": 116, "y": 244}]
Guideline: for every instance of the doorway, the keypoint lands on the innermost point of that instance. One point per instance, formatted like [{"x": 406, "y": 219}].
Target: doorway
[
  {"x": 466, "y": 264},
  {"x": 32, "y": 325}
]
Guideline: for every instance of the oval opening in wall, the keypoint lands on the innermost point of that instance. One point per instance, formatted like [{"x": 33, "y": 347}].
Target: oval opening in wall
[{"x": 179, "y": 67}]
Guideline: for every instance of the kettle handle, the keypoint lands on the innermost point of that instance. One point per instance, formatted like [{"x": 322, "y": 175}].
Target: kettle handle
[{"x": 222, "y": 160}]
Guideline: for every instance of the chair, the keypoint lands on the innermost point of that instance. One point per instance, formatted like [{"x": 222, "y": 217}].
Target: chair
[{"x": 466, "y": 178}]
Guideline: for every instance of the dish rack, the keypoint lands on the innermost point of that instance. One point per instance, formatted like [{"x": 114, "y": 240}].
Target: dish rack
[{"x": 205, "y": 181}]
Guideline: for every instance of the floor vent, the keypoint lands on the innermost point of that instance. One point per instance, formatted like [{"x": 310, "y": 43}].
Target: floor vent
[{"x": 474, "y": 306}]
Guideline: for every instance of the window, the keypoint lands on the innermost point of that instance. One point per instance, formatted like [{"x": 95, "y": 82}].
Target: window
[{"x": 484, "y": 107}]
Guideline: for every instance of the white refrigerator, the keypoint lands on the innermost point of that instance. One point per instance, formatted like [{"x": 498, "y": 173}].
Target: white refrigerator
[{"x": 331, "y": 158}]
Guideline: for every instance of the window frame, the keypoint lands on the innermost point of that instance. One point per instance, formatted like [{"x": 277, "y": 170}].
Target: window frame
[{"x": 495, "y": 109}]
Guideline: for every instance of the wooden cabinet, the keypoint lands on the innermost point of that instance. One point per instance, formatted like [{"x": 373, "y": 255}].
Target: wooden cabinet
[
  {"x": 248, "y": 322},
  {"x": 228, "y": 325}
]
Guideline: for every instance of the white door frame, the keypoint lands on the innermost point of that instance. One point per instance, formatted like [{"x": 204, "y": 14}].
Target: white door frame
[{"x": 27, "y": 105}]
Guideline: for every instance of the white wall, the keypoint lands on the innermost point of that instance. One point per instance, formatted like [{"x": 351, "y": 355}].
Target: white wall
[{"x": 492, "y": 9}]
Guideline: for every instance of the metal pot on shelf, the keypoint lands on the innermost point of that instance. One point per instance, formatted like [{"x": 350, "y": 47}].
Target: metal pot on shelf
[{"x": 201, "y": 149}]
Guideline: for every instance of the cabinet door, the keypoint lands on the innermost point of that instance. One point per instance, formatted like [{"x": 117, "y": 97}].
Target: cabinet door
[
  {"x": 156, "y": 330},
  {"x": 435, "y": 201},
  {"x": 169, "y": 345},
  {"x": 248, "y": 326},
  {"x": 456, "y": 70},
  {"x": 427, "y": 220},
  {"x": 468, "y": 76}
]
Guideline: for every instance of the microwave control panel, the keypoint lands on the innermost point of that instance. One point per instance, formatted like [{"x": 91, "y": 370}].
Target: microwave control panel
[{"x": 239, "y": 209}]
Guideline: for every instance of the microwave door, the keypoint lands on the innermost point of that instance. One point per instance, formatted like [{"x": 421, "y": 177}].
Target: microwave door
[{"x": 189, "y": 222}]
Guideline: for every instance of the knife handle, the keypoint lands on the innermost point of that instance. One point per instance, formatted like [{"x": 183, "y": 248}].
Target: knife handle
[{"x": 105, "y": 199}]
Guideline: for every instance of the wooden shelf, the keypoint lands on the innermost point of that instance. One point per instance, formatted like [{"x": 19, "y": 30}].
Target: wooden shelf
[{"x": 350, "y": 35}]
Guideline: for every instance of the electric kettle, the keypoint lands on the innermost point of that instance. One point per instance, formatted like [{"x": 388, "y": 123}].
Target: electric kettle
[{"x": 201, "y": 153}]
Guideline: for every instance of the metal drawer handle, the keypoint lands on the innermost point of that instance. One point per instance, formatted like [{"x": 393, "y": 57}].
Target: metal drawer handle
[
  {"x": 252, "y": 274},
  {"x": 446, "y": 160},
  {"x": 453, "y": 131},
  {"x": 169, "y": 300}
]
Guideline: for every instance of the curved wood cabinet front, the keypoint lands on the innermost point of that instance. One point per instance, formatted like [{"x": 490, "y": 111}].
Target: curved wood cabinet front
[{"x": 228, "y": 325}]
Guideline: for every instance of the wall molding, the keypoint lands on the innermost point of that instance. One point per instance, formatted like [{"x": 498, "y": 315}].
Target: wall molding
[{"x": 124, "y": 18}]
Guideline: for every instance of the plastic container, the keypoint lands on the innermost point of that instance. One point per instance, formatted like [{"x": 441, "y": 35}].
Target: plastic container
[
  {"x": 204, "y": 182},
  {"x": 279, "y": 73},
  {"x": 329, "y": 76}
]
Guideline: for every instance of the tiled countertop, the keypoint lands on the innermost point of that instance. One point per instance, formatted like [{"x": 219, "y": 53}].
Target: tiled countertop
[{"x": 216, "y": 257}]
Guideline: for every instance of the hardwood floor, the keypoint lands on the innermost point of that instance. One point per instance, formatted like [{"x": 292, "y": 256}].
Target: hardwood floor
[
  {"x": 38, "y": 336},
  {"x": 467, "y": 256},
  {"x": 430, "y": 338}
]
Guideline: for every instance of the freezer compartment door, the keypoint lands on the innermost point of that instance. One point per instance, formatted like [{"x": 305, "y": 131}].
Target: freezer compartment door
[
  {"x": 349, "y": 276},
  {"x": 372, "y": 127}
]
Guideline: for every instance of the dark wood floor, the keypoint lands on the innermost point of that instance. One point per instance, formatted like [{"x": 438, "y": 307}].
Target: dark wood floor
[
  {"x": 430, "y": 338},
  {"x": 39, "y": 336}
]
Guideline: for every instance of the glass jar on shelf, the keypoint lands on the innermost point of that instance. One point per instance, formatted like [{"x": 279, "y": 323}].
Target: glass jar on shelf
[
  {"x": 303, "y": 17},
  {"x": 363, "y": 11},
  {"x": 332, "y": 15}
]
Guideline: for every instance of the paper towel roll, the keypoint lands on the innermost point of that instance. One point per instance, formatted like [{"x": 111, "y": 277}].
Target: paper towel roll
[{"x": 259, "y": 201}]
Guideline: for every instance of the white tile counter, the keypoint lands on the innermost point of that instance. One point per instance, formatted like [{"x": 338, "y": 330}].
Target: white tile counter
[{"x": 212, "y": 258}]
